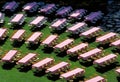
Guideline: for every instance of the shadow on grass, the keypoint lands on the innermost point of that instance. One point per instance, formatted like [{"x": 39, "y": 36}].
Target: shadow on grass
[
  {"x": 24, "y": 68},
  {"x": 17, "y": 44},
  {"x": 48, "y": 50},
  {"x": 118, "y": 78},
  {"x": 72, "y": 21},
  {"x": 16, "y": 27},
  {"x": 2, "y": 24},
  {"x": 8, "y": 14},
  {"x": 62, "y": 54},
  {"x": 59, "y": 31},
  {"x": 31, "y": 14},
  {"x": 89, "y": 40},
  {"x": 39, "y": 73},
  {"x": 51, "y": 17},
  {"x": 116, "y": 50},
  {"x": 106, "y": 68},
  {"x": 105, "y": 46},
  {"x": 8, "y": 66},
  {"x": 33, "y": 46},
  {"x": 34, "y": 29},
  {"x": 97, "y": 23},
  {"x": 2, "y": 42},
  {"x": 53, "y": 77},
  {"x": 74, "y": 58},
  {"x": 79, "y": 79},
  {"x": 86, "y": 63},
  {"x": 75, "y": 36}
]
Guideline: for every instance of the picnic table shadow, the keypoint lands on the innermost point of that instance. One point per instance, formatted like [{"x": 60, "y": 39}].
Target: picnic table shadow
[
  {"x": 39, "y": 73},
  {"x": 33, "y": 47},
  {"x": 24, "y": 68},
  {"x": 8, "y": 66},
  {"x": 118, "y": 78},
  {"x": 16, "y": 27},
  {"x": 48, "y": 50},
  {"x": 116, "y": 50},
  {"x": 61, "y": 54},
  {"x": 107, "y": 67},
  {"x": 74, "y": 58},
  {"x": 18, "y": 44},
  {"x": 78, "y": 79},
  {"x": 58, "y": 31},
  {"x": 89, "y": 40},
  {"x": 75, "y": 36},
  {"x": 53, "y": 77},
  {"x": 86, "y": 63},
  {"x": 34, "y": 29},
  {"x": 2, "y": 42},
  {"x": 104, "y": 46}
]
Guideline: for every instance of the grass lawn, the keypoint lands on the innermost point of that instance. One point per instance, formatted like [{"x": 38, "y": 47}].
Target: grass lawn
[{"x": 14, "y": 75}]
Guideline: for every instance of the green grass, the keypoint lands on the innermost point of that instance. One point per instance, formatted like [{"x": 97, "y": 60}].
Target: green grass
[{"x": 14, "y": 75}]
